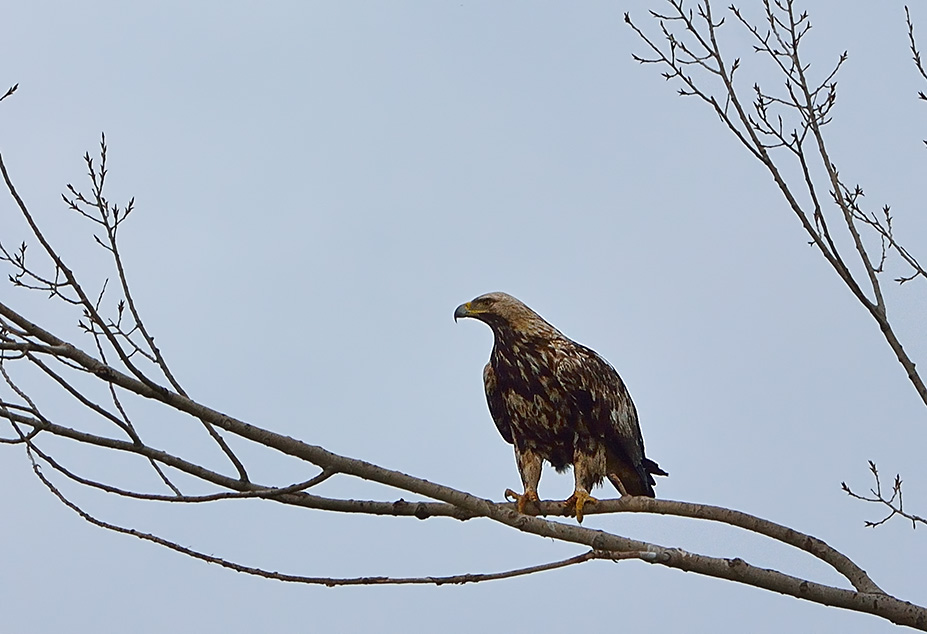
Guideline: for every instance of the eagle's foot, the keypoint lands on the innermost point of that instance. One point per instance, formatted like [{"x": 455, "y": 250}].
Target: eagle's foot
[
  {"x": 576, "y": 502},
  {"x": 521, "y": 500}
]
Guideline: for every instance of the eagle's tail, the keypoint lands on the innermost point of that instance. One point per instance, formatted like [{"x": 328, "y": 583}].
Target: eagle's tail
[
  {"x": 652, "y": 467},
  {"x": 630, "y": 478},
  {"x": 647, "y": 469}
]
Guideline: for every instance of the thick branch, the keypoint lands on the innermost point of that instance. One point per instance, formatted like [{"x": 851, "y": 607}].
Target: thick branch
[{"x": 735, "y": 570}]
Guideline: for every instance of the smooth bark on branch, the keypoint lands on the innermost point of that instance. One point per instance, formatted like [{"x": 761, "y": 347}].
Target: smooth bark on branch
[{"x": 731, "y": 569}]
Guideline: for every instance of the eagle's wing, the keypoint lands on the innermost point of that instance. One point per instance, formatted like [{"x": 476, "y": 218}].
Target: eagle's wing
[
  {"x": 603, "y": 403},
  {"x": 496, "y": 405}
]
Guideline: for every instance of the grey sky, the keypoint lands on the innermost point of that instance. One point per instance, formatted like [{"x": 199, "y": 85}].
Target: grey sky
[{"x": 320, "y": 184}]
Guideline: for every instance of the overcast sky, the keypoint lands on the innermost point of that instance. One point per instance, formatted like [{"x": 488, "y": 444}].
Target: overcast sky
[{"x": 319, "y": 185}]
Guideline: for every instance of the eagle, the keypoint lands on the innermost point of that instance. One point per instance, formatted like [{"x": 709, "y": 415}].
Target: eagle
[{"x": 558, "y": 401}]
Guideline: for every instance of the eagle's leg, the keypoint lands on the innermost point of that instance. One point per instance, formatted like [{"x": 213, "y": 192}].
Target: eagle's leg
[
  {"x": 587, "y": 471},
  {"x": 616, "y": 481},
  {"x": 529, "y": 467}
]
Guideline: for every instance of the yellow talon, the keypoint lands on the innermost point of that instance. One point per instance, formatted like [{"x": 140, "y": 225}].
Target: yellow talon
[
  {"x": 521, "y": 500},
  {"x": 576, "y": 502}
]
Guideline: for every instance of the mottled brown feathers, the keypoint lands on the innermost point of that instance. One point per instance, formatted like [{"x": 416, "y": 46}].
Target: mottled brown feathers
[{"x": 559, "y": 401}]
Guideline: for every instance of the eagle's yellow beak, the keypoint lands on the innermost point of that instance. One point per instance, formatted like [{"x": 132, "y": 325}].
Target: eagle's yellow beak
[{"x": 462, "y": 311}]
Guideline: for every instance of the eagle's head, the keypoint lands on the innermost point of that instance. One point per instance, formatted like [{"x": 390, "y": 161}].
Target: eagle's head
[{"x": 502, "y": 312}]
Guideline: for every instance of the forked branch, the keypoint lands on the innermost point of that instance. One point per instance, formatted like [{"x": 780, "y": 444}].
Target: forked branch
[
  {"x": 785, "y": 131},
  {"x": 866, "y": 597},
  {"x": 894, "y": 504},
  {"x": 124, "y": 360}
]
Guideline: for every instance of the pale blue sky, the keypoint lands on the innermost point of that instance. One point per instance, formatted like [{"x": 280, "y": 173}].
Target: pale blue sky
[{"x": 319, "y": 185}]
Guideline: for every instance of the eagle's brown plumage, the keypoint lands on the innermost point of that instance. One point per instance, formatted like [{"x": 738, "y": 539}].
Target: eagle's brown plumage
[{"x": 559, "y": 401}]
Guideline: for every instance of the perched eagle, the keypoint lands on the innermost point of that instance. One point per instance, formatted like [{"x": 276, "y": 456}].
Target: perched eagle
[{"x": 557, "y": 400}]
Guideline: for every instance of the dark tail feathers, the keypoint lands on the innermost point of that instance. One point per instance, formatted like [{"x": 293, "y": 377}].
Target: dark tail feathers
[
  {"x": 652, "y": 467},
  {"x": 649, "y": 468}
]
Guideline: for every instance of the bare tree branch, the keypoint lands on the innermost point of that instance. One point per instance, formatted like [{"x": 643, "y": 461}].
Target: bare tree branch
[
  {"x": 895, "y": 503},
  {"x": 783, "y": 130},
  {"x": 334, "y": 581},
  {"x": 730, "y": 569},
  {"x": 916, "y": 55},
  {"x": 765, "y": 131}
]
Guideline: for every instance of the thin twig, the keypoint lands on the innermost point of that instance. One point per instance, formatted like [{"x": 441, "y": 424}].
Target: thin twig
[
  {"x": 763, "y": 133},
  {"x": 894, "y": 503}
]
